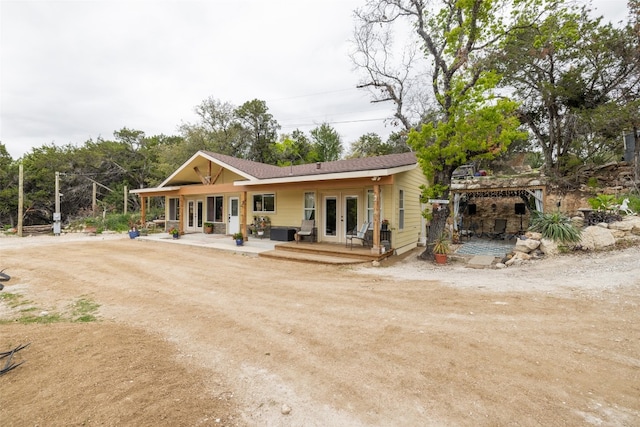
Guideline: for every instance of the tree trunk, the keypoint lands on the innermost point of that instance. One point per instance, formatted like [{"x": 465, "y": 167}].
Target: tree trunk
[
  {"x": 437, "y": 227},
  {"x": 440, "y": 212},
  {"x": 636, "y": 153}
]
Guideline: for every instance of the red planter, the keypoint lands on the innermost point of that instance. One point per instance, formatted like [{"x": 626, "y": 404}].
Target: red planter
[{"x": 440, "y": 258}]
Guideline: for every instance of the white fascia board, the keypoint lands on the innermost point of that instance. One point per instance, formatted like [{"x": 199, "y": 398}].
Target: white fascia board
[
  {"x": 184, "y": 165},
  {"x": 152, "y": 190},
  {"x": 226, "y": 166},
  {"x": 212, "y": 159},
  {"x": 329, "y": 176}
]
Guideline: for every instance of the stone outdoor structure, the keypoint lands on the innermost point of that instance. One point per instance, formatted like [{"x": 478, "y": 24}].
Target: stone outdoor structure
[{"x": 478, "y": 201}]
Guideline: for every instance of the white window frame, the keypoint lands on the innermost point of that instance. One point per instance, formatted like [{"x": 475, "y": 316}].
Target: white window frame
[{"x": 308, "y": 212}]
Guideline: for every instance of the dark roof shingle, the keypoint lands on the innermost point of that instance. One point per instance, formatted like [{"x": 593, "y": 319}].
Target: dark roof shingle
[{"x": 264, "y": 171}]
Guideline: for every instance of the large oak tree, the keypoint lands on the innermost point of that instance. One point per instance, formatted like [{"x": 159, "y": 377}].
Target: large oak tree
[{"x": 468, "y": 121}]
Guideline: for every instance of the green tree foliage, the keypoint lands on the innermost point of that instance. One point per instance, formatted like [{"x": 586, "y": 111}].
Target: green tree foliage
[
  {"x": 577, "y": 80},
  {"x": 294, "y": 149},
  {"x": 261, "y": 131},
  {"x": 40, "y": 167},
  {"x": 218, "y": 130},
  {"x": 327, "y": 144},
  {"x": 370, "y": 145},
  {"x": 468, "y": 122},
  {"x": 8, "y": 187},
  {"x": 132, "y": 160}
]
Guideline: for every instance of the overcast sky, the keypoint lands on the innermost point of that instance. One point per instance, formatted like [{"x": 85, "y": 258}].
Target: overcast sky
[{"x": 74, "y": 70}]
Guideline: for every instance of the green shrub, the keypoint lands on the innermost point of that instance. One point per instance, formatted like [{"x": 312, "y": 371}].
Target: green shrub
[
  {"x": 534, "y": 159},
  {"x": 555, "y": 226},
  {"x": 602, "y": 202},
  {"x": 592, "y": 182},
  {"x": 117, "y": 222}
]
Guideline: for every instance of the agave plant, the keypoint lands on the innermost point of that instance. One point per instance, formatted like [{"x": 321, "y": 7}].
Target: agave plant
[{"x": 555, "y": 226}]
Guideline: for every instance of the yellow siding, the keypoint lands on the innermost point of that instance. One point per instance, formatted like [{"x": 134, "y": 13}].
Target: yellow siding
[
  {"x": 290, "y": 201},
  {"x": 288, "y": 208},
  {"x": 228, "y": 177},
  {"x": 408, "y": 237}
]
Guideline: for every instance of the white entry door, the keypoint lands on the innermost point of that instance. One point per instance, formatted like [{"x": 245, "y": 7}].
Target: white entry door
[
  {"x": 233, "y": 218},
  {"x": 330, "y": 219}
]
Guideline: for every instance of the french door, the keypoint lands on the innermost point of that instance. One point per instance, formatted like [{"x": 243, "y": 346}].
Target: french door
[
  {"x": 340, "y": 216},
  {"x": 194, "y": 215}
]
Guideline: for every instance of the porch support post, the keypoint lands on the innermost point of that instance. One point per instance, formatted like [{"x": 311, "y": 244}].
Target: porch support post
[
  {"x": 243, "y": 215},
  {"x": 143, "y": 211},
  {"x": 375, "y": 249},
  {"x": 182, "y": 217}
]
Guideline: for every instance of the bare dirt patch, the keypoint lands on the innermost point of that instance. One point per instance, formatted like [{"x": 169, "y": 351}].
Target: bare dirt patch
[{"x": 195, "y": 336}]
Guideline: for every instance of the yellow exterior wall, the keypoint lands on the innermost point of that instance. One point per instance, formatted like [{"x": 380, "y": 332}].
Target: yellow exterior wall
[
  {"x": 288, "y": 207},
  {"x": 290, "y": 201},
  {"x": 407, "y": 238}
]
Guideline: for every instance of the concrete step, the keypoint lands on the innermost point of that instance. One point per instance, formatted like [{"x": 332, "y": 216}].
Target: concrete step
[
  {"x": 481, "y": 261},
  {"x": 312, "y": 257}
]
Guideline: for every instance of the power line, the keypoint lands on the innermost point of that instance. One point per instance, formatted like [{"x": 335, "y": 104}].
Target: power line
[
  {"x": 334, "y": 122},
  {"x": 311, "y": 94}
]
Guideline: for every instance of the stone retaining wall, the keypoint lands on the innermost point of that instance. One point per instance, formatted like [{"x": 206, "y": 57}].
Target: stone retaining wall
[{"x": 595, "y": 237}]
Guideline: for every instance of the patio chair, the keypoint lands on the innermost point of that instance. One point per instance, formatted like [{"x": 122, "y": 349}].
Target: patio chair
[
  {"x": 361, "y": 235},
  {"x": 306, "y": 230},
  {"x": 499, "y": 229}
]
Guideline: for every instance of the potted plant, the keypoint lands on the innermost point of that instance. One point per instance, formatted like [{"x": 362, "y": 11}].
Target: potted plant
[
  {"x": 238, "y": 237},
  {"x": 441, "y": 248},
  {"x": 175, "y": 232},
  {"x": 385, "y": 225},
  {"x": 133, "y": 232},
  {"x": 208, "y": 227},
  {"x": 263, "y": 223}
]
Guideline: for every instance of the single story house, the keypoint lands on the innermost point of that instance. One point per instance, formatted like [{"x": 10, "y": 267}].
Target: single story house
[{"x": 339, "y": 196}]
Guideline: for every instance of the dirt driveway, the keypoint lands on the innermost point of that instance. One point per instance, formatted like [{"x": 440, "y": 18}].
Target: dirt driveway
[{"x": 192, "y": 336}]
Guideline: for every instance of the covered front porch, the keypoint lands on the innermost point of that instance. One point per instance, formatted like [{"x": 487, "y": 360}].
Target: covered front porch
[{"x": 317, "y": 252}]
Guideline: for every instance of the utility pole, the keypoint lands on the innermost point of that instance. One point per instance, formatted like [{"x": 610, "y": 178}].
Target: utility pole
[
  {"x": 20, "y": 198},
  {"x": 56, "y": 214},
  {"x": 125, "y": 199},
  {"x": 94, "y": 203}
]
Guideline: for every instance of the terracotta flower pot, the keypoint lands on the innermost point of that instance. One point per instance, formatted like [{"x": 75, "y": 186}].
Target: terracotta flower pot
[{"x": 441, "y": 258}]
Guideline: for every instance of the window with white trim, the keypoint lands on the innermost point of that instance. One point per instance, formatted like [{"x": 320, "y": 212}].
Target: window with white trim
[
  {"x": 370, "y": 206},
  {"x": 401, "y": 210},
  {"x": 310, "y": 205},
  {"x": 264, "y": 203}
]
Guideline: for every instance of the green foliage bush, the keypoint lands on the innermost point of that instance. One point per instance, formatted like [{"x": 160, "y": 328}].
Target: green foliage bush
[
  {"x": 118, "y": 222},
  {"x": 602, "y": 202},
  {"x": 534, "y": 159},
  {"x": 555, "y": 226},
  {"x": 606, "y": 207}
]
